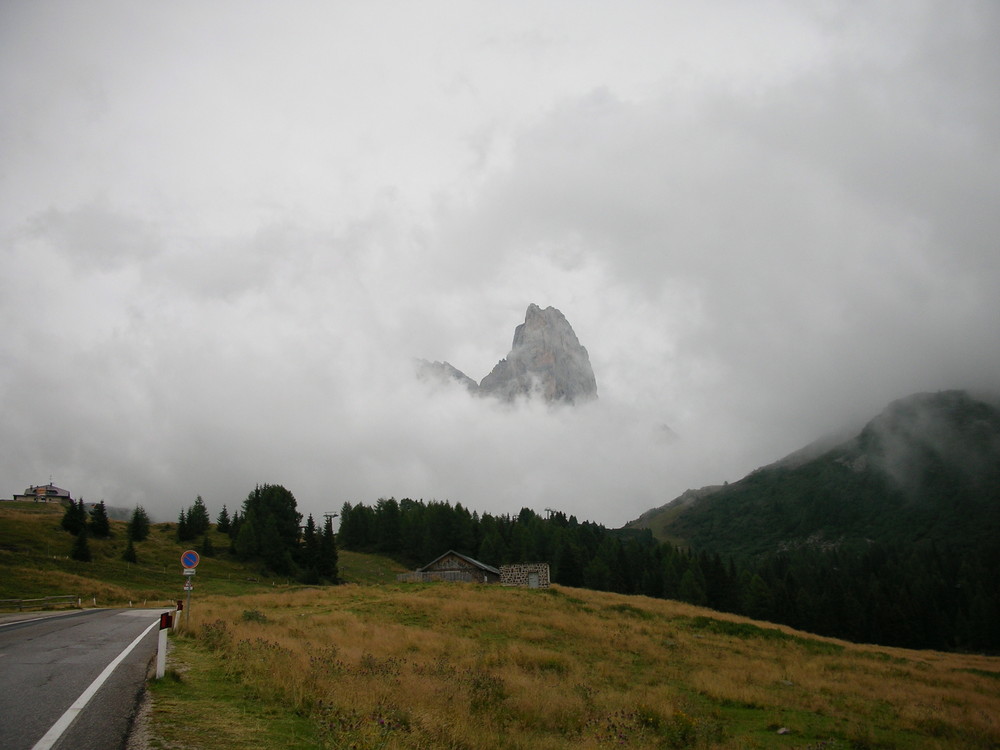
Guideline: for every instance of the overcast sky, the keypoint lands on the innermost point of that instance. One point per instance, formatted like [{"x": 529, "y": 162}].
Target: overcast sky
[{"x": 226, "y": 228}]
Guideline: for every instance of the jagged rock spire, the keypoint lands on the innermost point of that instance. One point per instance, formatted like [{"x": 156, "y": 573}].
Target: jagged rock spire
[{"x": 546, "y": 359}]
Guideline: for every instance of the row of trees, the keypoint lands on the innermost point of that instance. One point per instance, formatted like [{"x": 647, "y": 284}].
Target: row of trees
[
  {"x": 266, "y": 531},
  {"x": 193, "y": 522},
  {"x": 81, "y": 525},
  {"x": 895, "y": 595}
]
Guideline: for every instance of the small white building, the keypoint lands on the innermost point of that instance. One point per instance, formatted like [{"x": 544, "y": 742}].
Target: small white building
[{"x": 44, "y": 493}]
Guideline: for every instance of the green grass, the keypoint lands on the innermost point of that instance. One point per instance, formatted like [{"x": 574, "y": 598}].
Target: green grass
[
  {"x": 199, "y": 704},
  {"x": 35, "y": 550},
  {"x": 34, "y": 555},
  {"x": 745, "y": 630},
  {"x": 453, "y": 665},
  {"x": 356, "y": 567},
  {"x": 269, "y": 664}
]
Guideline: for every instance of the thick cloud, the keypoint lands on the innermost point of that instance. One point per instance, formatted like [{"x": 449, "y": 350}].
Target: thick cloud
[{"x": 226, "y": 230}]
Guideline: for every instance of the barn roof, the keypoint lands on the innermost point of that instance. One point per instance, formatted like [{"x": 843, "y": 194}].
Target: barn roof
[{"x": 476, "y": 563}]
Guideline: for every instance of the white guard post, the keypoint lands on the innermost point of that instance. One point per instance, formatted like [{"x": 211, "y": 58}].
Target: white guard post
[{"x": 161, "y": 646}]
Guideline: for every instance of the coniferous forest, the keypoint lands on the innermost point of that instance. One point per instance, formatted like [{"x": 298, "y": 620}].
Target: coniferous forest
[
  {"x": 269, "y": 531},
  {"x": 914, "y": 596}
]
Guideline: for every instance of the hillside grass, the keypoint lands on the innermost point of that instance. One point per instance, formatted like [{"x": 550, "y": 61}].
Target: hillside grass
[
  {"x": 34, "y": 553},
  {"x": 34, "y": 557},
  {"x": 375, "y": 664},
  {"x": 479, "y": 667}
]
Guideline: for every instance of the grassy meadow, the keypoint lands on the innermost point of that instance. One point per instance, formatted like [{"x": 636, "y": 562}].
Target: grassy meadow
[
  {"x": 477, "y": 667},
  {"x": 376, "y": 664}
]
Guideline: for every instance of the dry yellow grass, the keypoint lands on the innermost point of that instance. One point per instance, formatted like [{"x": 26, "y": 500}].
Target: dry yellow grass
[{"x": 464, "y": 666}]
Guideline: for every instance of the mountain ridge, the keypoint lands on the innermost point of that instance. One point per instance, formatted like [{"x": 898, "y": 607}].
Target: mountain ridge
[{"x": 927, "y": 468}]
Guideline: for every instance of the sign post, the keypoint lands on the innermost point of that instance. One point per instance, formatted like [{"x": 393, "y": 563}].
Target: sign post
[{"x": 189, "y": 560}]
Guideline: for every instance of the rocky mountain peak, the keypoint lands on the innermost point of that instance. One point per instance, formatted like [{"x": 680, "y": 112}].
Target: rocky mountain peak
[{"x": 546, "y": 359}]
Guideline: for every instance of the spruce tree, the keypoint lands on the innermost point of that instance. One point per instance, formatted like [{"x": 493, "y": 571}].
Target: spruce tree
[
  {"x": 327, "y": 563},
  {"x": 245, "y": 541},
  {"x": 100, "y": 526},
  {"x": 182, "y": 527},
  {"x": 269, "y": 529},
  {"x": 129, "y": 554},
  {"x": 207, "y": 548},
  {"x": 222, "y": 522},
  {"x": 198, "y": 521},
  {"x": 138, "y": 525},
  {"x": 81, "y": 550},
  {"x": 74, "y": 518},
  {"x": 310, "y": 545}
]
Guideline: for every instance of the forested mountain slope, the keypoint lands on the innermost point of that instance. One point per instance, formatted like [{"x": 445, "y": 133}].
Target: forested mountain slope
[
  {"x": 888, "y": 537},
  {"x": 927, "y": 469}
]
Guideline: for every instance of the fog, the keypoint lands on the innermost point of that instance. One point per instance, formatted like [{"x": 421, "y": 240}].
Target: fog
[{"x": 227, "y": 229}]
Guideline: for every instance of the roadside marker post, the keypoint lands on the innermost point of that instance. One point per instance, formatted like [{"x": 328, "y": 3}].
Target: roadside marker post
[
  {"x": 189, "y": 560},
  {"x": 161, "y": 647}
]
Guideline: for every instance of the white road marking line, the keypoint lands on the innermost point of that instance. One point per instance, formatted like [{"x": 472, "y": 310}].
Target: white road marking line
[
  {"x": 33, "y": 619},
  {"x": 62, "y": 724}
]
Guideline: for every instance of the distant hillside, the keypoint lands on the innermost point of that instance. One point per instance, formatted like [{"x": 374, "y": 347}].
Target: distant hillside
[
  {"x": 927, "y": 469},
  {"x": 889, "y": 536},
  {"x": 34, "y": 557}
]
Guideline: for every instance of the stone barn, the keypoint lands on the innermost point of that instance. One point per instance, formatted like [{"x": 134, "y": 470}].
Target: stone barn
[
  {"x": 453, "y": 566},
  {"x": 532, "y": 575}
]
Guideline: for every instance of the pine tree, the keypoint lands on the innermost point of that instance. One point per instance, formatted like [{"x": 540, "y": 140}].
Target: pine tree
[
  {"x": 129, "y": 554},
  {"x": 198, "y": 521},
  {"x": 328, "y": 553},
  {"x": 491, "y": 551},
  {"x": 276, "y": 555},
  {"x": 75, "y": 517},
  {"x": 352, "y": 531},
  {"x": 245, "y": 541},
  {"x": 270, "y": 528},
  {"x": 388, "y": 536},
  {"x": 81, "y": 550},
  {"x": 100, "y": 526},
  {"x": 309, "y": 555},
  {"x": 207, "y": 548},
  {"x": 222, "y": 522},
  {"x": 182, "y": 527},
  {"x": 138, "y": 525}
]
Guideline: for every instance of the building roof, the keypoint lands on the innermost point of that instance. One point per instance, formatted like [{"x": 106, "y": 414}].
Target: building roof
[
  {"x": 475, "y": 563},
  {"x": 45, "y": 490}
]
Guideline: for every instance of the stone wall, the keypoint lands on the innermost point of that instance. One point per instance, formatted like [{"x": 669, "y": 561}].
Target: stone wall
[{"x": 533, "y": 575}]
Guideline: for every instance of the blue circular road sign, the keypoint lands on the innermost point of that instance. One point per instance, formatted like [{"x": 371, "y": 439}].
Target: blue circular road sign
[{"x": 190, "y": 559}]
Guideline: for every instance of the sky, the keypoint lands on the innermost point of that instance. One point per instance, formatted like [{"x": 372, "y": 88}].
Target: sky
[{"x": 227, "y": 228}]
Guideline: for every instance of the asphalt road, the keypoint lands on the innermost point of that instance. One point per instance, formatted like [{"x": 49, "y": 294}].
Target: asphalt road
[{"x": 48, "y": 663}]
